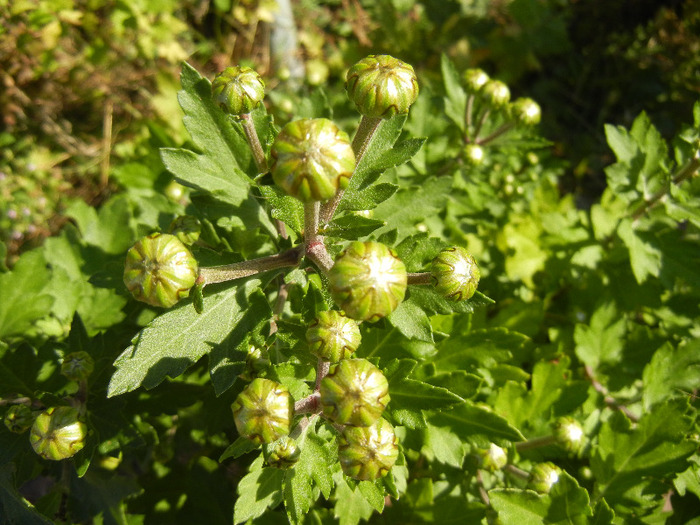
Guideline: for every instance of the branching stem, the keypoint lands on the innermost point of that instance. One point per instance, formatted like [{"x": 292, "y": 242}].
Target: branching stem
[
  {"x": 230, "y": 272},
  {"x": 314, "y": 247}
]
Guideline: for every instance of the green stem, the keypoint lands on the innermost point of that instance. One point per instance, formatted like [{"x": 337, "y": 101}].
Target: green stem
[
  {"x": 468, "y": 118},
  {"x": 535, "y": 443},
  {"x": 365, "y": 132},
  {"x": 230, "y": 272},
  {"x": 500, "y": 131},
  {"x": 251, "y": 135},
  {"x": 688, "y": 170},
  {"x": 517, "y": 472},
  {"x": 314, "y": 247},
  {"x": 480, "y": 124},
  {"x": 420, "y": 278}
]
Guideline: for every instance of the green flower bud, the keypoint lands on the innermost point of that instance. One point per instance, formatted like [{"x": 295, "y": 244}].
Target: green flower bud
[
  {"x": 58, "y": 433},
  {"x": 282, "y": 454},
  {"x": 19, "y": 418},
  {"x": 160, "y": 270},
  {"x": 455, "y": 273},
  {"x": 316, "y": 72},
  {"x": 77, "y": 366},
  {"x": 368, "y": 281},
  {"x": 543, "y": 476},
  {"x": 255, "y": 362},
  {"x": 474, "y": 154},
  {"x": 355, "y": 392},
  {"x": 496, "y": 93},
  {"x": 568, "y": 434},
  {"x": 494, "y": 458},
  {"x": 368, "y": 453},
  {"x": 382, "y": 86},
  {"x": 332, "y": 336},
  {"x": 263, "y": 412},
  {"x": 313, "y": 158},
  {"x": 525, "y": 112},
  {"x": 187, "y": 228},
  {"x": 238, "y": 90},
  {"x": 474, "y": 79}
]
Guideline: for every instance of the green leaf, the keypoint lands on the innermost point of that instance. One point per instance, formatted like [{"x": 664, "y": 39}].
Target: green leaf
[
  {"x": 177, "y": 339},
  {"x": 370, "y": 198},
  {"x": 98, "y": 227},
  {"x": 456, "y": 99},
  {"x": 479, "y": 348},
  {"x": 24, "y": 299},
  {"x": 656, "y": 446},
  {"x": 238, "y": 448},
  {"x": 645, "y": 255},
  {"x": 411, "y": 321},
  {"x": 602, "y": 340},
  {"x": 285, "y": 208},
  {"x": 351, "y": 506},
  {"x": 671, "y": 372},
  {"x": 259, "y": 490},
  {"x": 14, "y": 509},
  {"x": 428, "y": 299},
  {"x": 351, "y": 227},
  {"x": 468, "y": 420}
]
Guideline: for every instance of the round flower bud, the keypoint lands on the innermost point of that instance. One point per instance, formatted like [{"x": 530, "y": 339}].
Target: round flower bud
[
  {"x": 543, "y": 476},
  {"x": 255, "y": 362},
  {"x": 77, "y": 366},
  {"x": 368, "y": 453},
  {"x": 474, "y": 154},
  {"x": 496, "y": 93},
  {"x": 368, "y": 281},
  {"x": 160, "y": 270},
  {"x": 355, "y": 392},
  {"x": 332, "y": 336},
  {"x": 58, "y": 433},
  {"x": 187, "y": 228},
  {"x": 568, "y": 434},
  {"x": 494, "y": 458},
  {"x": 382, "y": 86},
  {"x": 455, "y": 273},
  {"x": 19, "y": 418},
  {"x": 238, "y": 90},
  {"x": 474, "y": 79},
  {"x": 263, "y": 412},
  {"x": 282, "y": 454},
  {"x": 313, "y": 158},
  {"x": 525, "y": 112}
]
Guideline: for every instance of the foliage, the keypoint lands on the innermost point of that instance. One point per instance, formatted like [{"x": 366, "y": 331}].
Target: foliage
[{"x": 587, "y": 313}]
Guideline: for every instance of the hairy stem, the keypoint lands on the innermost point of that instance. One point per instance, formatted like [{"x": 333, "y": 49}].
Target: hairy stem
[
  {"x": 607, "y": 398},
  {"x": 365, "y": 132},
  {"x": 468, "y": 118},
  {"x": 419, "y": 278},
  {"x": 230, "y": 272},
  {"x": 517, "y": 472},
  {"x": 537, "y": 442},
  {"x": 251, "y": 135},
  {"x": 480, "y": 124},
  {"x": 321, "y": 371},
  {"x": 500, "y": 131},
  {"x": 309, "y": 405},
  {"x": 314, "y": 247}
]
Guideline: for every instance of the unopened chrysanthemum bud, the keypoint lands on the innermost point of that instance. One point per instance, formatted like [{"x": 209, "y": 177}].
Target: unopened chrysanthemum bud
[
  {"x": 332, "y": 336},
  {"x": 187, "y": 228},
  {"x": 18, "y": 418},
  {"x": 474, "y": 79},
  {"x": 238, "y": 90},
  {"x": 382, "y": 86},
  {"x": 568, "y": 434},
  {"x": 58, "y": 433},
  {"x": 160, "y": 270},
  {"x": 355, "y": 392},
  {"x": 77, "y": 366},
  {"x": 368, "y": 281},
  {"x": 474, "y": 154},
  {"x": 543, "y": 476},
  {"x": 282, "y": 454},
  {"x": 496, "y": 94},
  {"x": 493, "y": 458},
  {"x": 455, "y": 273},
  {"x": 313, "y": 159},
  {"x": 255, "y": 362},
  {"x": 263, "y": 412},
  {"x": 368, "y": 453},
  {"x": 525, "y": 112}
]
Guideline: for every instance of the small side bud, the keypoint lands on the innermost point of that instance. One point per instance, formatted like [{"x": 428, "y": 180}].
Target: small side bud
[
  {"x": 368, "y": 453},
  {"x": 496, "y": 94},
  {"x": 238, "y": 90},
  {"x": 368, "y": 281},
  {"x": 493, "y": 458},
  {"x": 543, "y": 476},
  {"x": 160, "y": 270},
  {"x": 77, "y": 366},
  {"x": 475, "y": 79},
  {"x": 58, "y": 433},
  {"x": 263, "y": 412},
  {"x": 332, "y": 336},
  {"x": 455, "y": 273},
  {"x": 474, "y": 154},
  {"x": 525, "y": 112},
  {"x": 187, "y": 228},
  {"x": 313, "y": 159},
  {"x": 282, "y": 454},
  {"x": 382, "y": 86},
  {"x": 355, "y": 392},
  {"x": 568, "y": 434},
  {"x": 18, "y": 418}
]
